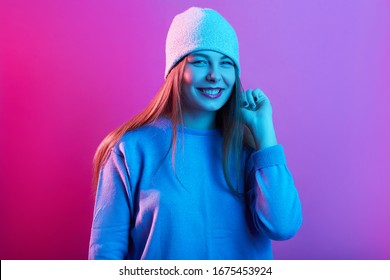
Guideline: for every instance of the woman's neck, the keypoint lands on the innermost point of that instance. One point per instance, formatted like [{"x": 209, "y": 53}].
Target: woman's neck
[{"x": 199, "y": 120}]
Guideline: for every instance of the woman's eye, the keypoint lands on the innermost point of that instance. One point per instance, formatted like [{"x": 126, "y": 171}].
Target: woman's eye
[
  {"x": 227, "y": 63},
  {"x": 199, "y": 62}
]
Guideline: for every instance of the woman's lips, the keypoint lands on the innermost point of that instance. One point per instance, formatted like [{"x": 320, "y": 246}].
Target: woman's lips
[{"x": 211, "y": 93}]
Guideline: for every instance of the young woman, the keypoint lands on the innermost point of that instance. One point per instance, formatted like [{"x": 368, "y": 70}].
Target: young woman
[{"x": 199, "y": 173}]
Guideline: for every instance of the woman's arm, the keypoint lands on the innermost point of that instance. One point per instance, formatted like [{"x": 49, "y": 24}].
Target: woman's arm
[
  {"x": 273, "y": 198},
  {"x": 113, "y": 204}
]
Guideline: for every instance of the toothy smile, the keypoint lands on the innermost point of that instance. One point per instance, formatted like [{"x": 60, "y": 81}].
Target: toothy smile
[{"x": 211, "y": 92}]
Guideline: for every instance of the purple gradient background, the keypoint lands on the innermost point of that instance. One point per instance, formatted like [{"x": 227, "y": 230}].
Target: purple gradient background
[{"x": 70, "y": 72}]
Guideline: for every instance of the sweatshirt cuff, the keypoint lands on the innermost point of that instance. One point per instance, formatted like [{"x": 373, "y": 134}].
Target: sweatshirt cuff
[{"x": 270, "y": 156}]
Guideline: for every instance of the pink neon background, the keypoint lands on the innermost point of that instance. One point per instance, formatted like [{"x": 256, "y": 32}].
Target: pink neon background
[{"x": 70, "y": 72}]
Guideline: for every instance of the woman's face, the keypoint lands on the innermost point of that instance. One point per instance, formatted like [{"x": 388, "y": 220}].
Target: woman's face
[{"x": 208, "y": 81}]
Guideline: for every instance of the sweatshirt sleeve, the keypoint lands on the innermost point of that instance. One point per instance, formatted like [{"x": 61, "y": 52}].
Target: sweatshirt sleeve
[
  {"x": 112, "y": 212},
  {"x": 273, "y": 199}
]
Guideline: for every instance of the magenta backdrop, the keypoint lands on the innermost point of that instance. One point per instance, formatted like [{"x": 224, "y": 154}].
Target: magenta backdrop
[{"x": 70, "y": 72}]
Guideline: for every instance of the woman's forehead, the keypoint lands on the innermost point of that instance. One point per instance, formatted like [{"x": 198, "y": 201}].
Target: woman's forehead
[{"x": 209, "y": 54}]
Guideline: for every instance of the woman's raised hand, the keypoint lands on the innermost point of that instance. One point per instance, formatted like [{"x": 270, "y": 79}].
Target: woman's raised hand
[{"x": 256, "y": 112}]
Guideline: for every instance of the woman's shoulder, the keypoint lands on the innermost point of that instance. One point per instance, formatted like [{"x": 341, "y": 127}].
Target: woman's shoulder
[
  {"x": 150, "y": 134},
  {"x": 157, "y": 128}
]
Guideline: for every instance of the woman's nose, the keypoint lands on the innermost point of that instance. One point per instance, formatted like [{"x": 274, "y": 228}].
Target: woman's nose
[{"x": 213, "y": 75}]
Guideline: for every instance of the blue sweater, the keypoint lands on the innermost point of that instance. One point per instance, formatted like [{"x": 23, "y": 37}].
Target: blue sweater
[{"x": 144, "y": 210}]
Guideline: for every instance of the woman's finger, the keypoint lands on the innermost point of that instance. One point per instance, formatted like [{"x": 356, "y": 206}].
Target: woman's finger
[
  {"x": 244, "y": 101},
  {"x": 250, "y": 99},
  {"x": 259, "y": 96},
  {"x": 256, "y": 95}
]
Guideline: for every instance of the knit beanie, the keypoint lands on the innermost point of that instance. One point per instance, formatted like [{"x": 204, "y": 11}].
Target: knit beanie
[{"x": 199, "y": 29}]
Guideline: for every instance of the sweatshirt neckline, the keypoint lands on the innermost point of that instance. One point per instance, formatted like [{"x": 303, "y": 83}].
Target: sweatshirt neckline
[{"x": 187, "y": 130}]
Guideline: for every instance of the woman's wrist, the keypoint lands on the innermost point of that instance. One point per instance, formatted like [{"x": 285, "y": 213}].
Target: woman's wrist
[{"x": 263, "y": 133}]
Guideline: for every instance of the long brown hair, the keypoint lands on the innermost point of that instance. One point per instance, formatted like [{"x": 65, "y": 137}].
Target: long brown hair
[{"x": 167, "y": 103}]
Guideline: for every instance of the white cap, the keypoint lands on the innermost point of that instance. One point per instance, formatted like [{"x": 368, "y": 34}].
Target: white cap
[{"x": 199, "y": 29}]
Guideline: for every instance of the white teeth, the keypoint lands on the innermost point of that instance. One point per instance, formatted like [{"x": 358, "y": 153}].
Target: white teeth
[{"x": 211, "y": 91}]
